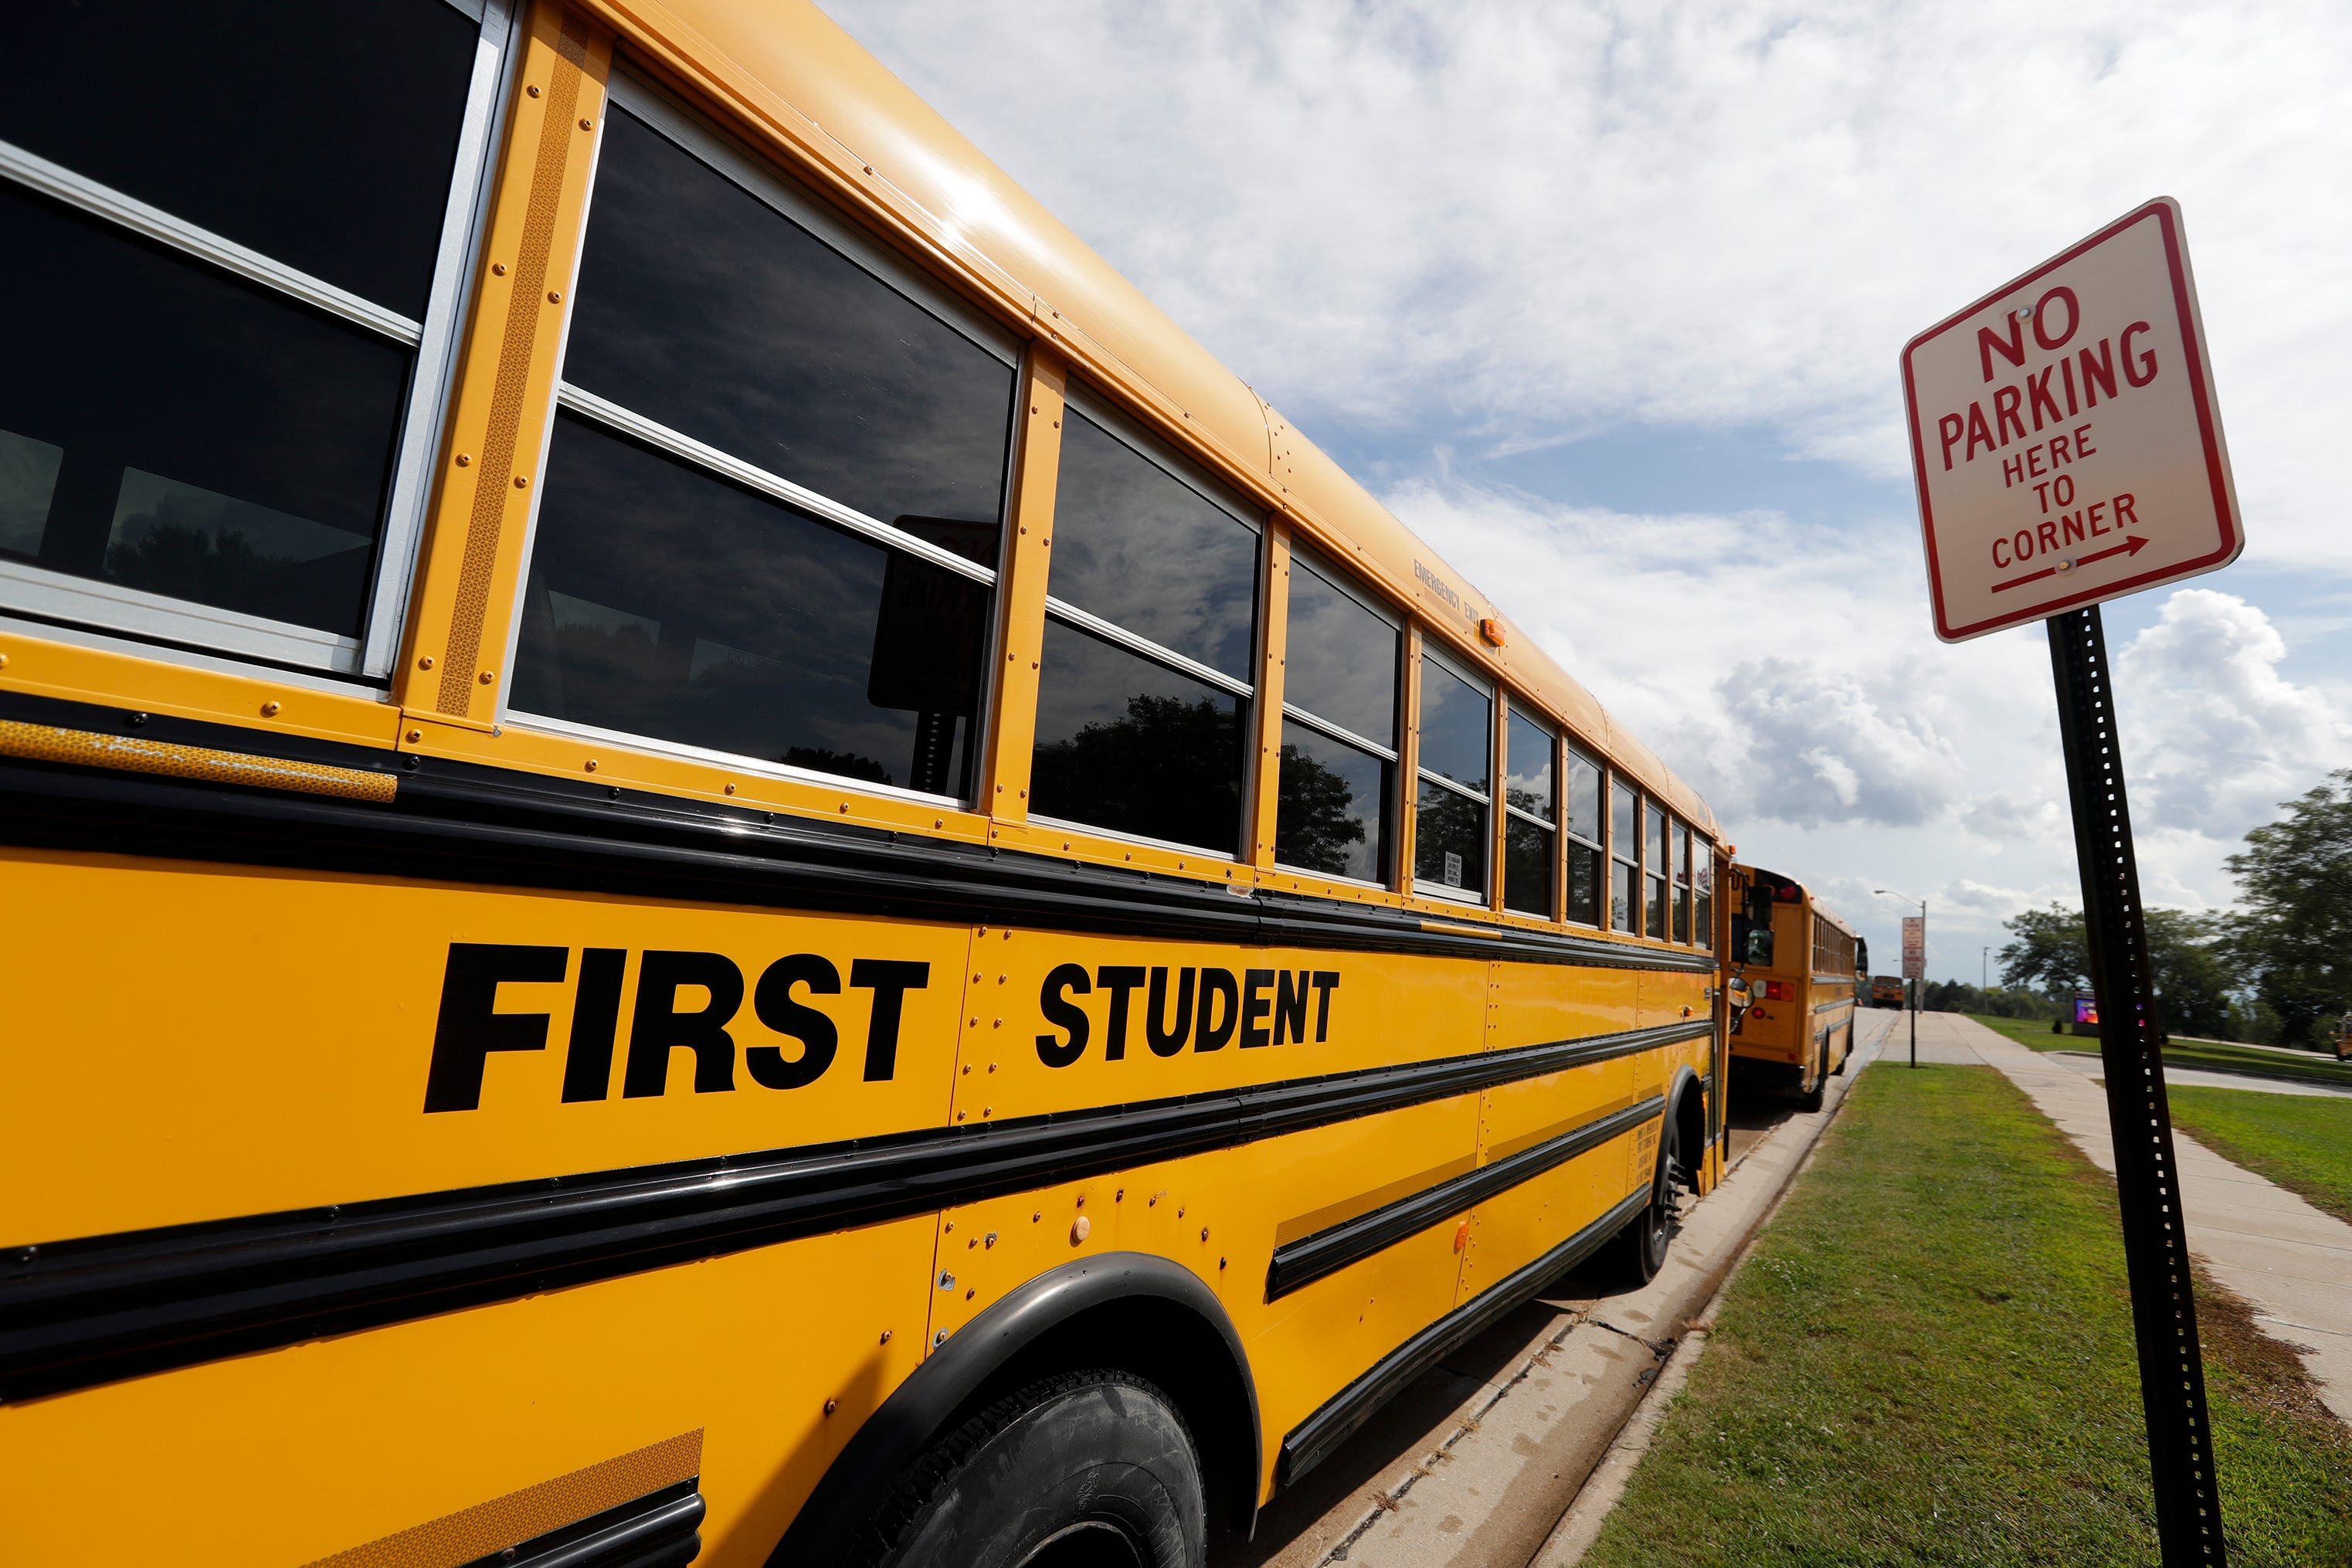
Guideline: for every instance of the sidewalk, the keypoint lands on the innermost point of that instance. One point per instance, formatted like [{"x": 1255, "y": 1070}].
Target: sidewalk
[{"x": 2292, "y": 1261}]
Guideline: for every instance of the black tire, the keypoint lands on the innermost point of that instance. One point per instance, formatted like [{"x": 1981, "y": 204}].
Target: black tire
[
  {"x": 1636, "y": 1254},
  {"x": 1087, "y": 1470},
  {"x": 1812, "y": 1099}
]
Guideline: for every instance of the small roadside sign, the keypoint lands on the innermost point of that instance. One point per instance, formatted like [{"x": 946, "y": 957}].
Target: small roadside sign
[
  {"x": 1915, "y": 947},
  {"x": 2064, "y": 435}
]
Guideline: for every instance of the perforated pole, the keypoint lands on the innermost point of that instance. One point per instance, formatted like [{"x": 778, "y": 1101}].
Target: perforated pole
[{"x": 2148, "y": 1188}]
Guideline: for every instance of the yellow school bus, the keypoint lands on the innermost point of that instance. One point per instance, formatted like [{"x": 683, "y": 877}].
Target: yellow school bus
[
  {"x": 711, "y": 857},
  {"x": 1793, "y": 968}
]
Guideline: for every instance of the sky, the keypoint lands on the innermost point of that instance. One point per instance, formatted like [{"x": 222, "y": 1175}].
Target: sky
[{"x": 1605, "y": 301}]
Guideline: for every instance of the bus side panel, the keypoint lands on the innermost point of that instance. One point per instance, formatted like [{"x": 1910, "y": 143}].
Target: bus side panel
[
  {"x": 288, "y": 1455},
  {"x": 273, "y": 1035}
]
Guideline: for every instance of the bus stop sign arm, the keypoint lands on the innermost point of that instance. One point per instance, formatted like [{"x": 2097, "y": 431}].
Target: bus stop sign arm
[{"x": 2147, "y": 1185}]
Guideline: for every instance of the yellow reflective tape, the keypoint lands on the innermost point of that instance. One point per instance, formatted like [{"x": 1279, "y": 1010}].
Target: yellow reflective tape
[
  {"x": 493, "y": 1526},
  {"x": 85, "y": 748}
]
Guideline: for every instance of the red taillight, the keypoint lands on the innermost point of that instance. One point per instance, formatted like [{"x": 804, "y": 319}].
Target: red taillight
[{"x": 1775, "y": 992}]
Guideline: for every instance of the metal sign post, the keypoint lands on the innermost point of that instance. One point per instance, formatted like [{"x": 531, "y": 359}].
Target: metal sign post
[
  {"x": 2156, "y": 1241},
  {"x": 2062, "y": 428},
  {"x": 1915, "y": 968}
]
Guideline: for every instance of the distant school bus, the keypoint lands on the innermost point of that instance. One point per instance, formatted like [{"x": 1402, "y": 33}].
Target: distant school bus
[
  {"x": 708, "y": 852},
  {"x": 1886, "y": 991},
  {"x": 1793, "y": 966}
]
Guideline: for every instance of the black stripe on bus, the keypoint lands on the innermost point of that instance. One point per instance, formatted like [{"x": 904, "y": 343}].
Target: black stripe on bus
[
  {"x": 464, "y": 822},
  {"x": 1302, "y": 1262},
  {"x": 92, "y": 1309},
  {"x": 1312, "y": 1440}
]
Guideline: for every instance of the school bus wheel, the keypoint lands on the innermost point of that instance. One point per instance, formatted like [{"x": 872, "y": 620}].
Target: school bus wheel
[
  {"x": 1636, "y": 1253},
  {"x": 1815, "y": 1092},
  {"x": 1085, "y": 1469}
]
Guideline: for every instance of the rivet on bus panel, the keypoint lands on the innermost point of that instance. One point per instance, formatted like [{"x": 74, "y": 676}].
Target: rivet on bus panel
[
  {"x": 414, "y": 736},
  {"x": 587, "y": 125},
  {"x": 498, "y": 268},
  {"x": 989, "y": 1240},
  {"x": 555, "y": 296},
  {"x": 1080, "y": 1229},
  {"x": 425, "y": 663},
  {"x": 269, "y": 710},
  {"x": 465, "y": 459},
  {"x": 731, "y": 789},
  {"x": 487, "y": 677},
  {"x": 831, "y": 1406},
  {"x": 886, "y": 1336},
  {"x": 522, "y": 481},
  {"x": 533, "y": 90},
  {"x": 590, "y": 765}
]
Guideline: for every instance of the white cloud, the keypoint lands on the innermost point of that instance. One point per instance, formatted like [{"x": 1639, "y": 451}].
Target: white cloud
[
  {"x": 1790, "y": 675},
  {"x": 1542, "y": 220}
]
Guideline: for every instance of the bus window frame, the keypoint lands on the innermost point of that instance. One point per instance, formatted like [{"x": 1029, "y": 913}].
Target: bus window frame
[
  {"x": 1078, "y": 398},
  {"x": 151, "y": 624},
  {"x": 1572, "y": 746},
  {"x": 1470, "y": 676},
  {"x": 770, "y": 183},
  {"x": 1612, "y": 780},
  {"x": 1303, "y": 554},
  {"x": 1509, "y": 708}
]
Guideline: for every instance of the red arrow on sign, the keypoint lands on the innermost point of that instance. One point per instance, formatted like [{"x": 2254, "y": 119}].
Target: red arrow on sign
[{"x": 2132, "y": 545}]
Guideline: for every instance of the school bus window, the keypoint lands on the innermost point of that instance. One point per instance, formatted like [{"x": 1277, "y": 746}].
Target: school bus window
[
  {"x": 1143, "y": 700},
  {"x": 1338, "y": 727},
  {"x": 199, "y": 426},
  {"x": 1586, "y": 855},
  {"x": 1450, "y": 833},
  {"x": 1678, "y": 858},
  {"x": 1703, "y": 891},
  {"x": 1624, "y": 856},
  {"x": 689, "y": 581},
  {"x": 1529, "y": 814},
  {"x": 1654, "y": 850}
]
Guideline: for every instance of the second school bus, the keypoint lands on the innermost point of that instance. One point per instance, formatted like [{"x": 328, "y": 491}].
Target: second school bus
[
  {"x": 708, "y": 852},
  {"x": 1794, "y": 969}
]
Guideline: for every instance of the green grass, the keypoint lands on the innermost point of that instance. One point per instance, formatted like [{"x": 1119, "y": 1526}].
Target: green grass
[
  {"x": 1928, "y": 1361},
  {"x": 2214, "y": 1056},
  {"x": 2312, "y": 1068},
  {"x": 2301, "y": 1141}
]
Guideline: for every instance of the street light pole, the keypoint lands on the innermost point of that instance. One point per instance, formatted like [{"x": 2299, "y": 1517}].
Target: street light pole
[{"x": 1910, "y": 985}]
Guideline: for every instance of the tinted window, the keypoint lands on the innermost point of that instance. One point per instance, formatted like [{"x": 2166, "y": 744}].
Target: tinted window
[
  {"x": 1529, "y": 787},
  {"x": 1129, "y": 744},
  {"x": 1449, "y": 839},
  {"x": 1584, "y": 880},
  {"x": 1526, "y": 866},
  {"x": 705, "y": 309},
  {"x": 1703, "y": 879},
  {"x": 1584, "y": 797},
  {"x": 170, "y": 429},
  {"x": 1654, "y": 842},
  {"x": 1333, "y": 806},
  {"x": 323, "y": 136},
  {"x": 1340, "y": 659},
  {"x": 1621, "y": 896},
  {"x": 664, "y": 602},
  {"x": 1621, "y": 816},
  {"x": 1454, "y": 726},
  {"x": 1149, "y": 553}
]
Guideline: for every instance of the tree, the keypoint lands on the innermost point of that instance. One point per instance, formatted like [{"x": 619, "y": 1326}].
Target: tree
[
  {"x": 2294, "y": 883},
  {"x": 2191, "y": 969},
  {"x": 2047, "y": 951},
  {"x": 1167, "y": 769}
]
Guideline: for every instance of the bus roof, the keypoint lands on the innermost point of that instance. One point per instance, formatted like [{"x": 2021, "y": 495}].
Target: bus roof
[
  {"x": 1820, "y": 910},
  {"x": 793, "y": 72}
]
